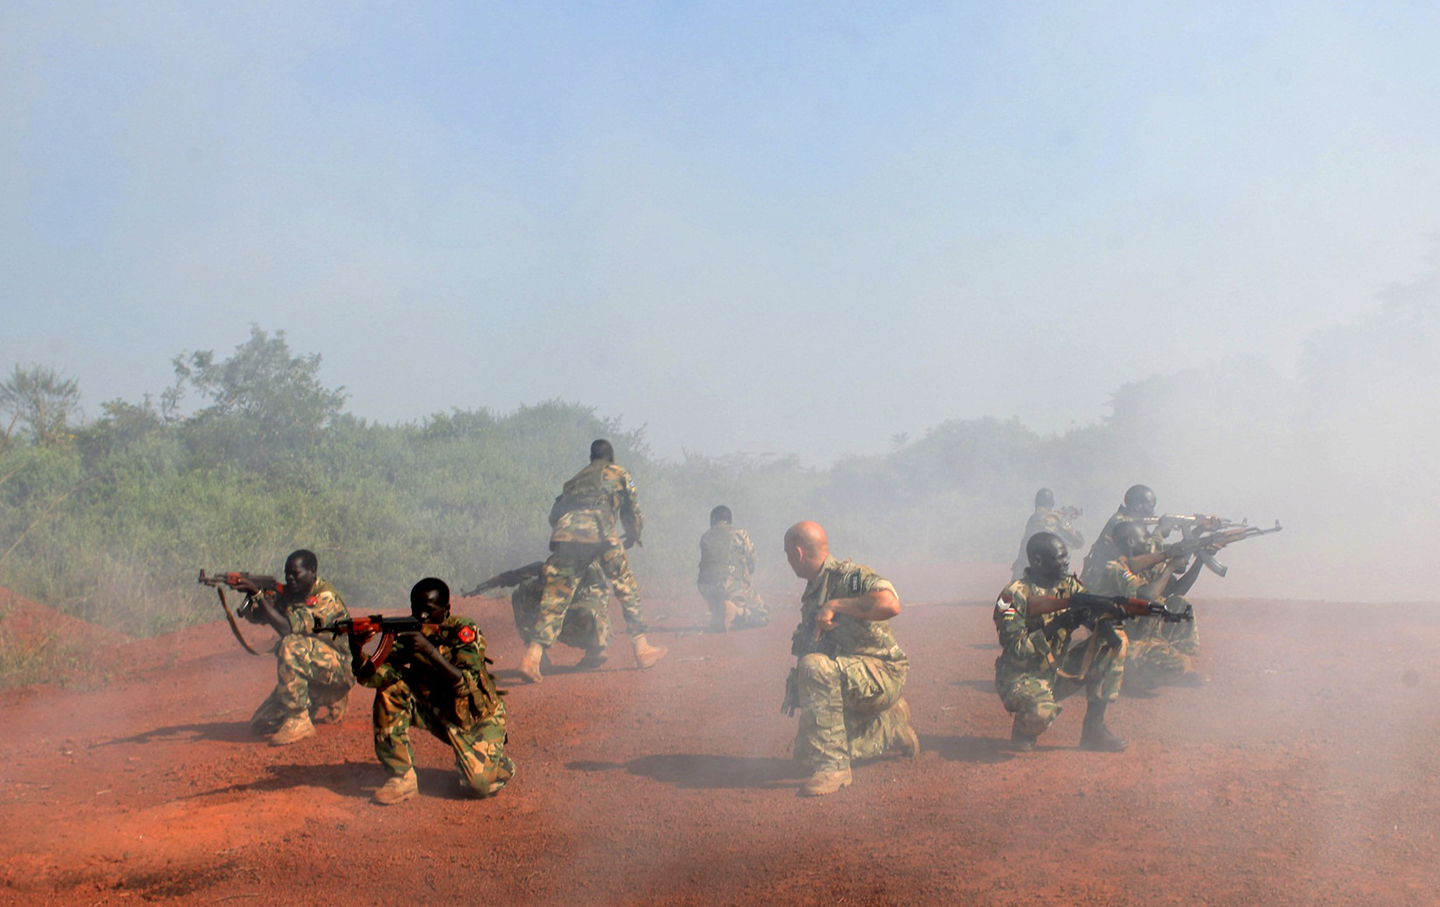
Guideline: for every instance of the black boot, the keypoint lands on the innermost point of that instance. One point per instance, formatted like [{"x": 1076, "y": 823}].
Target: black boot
[{"x": 1096, "y": 736}]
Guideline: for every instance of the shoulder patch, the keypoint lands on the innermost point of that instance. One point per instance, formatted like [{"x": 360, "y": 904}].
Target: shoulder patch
[
  {"x": 854, "y": 581},
  {"x": 466, "y": 635}
]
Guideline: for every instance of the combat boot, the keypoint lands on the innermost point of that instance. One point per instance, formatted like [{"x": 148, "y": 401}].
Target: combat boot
[
  {"x": 645, "y": 654},
  {"x": 1020, "y": 741},
  {"x": 399, "y": 788},
  {"x": 595, "y": 656},
  {"x": 1095, "y": 736},
  {"x": 906, "y": 740},
  {"x": 822, "y": 783},
  {"x": 293, "y": 730},
  {"x": 530, "y": 664}
]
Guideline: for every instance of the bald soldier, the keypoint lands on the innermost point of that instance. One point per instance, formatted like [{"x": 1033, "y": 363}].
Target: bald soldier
[
  {"x": 1138, "y": 506},
  {"x": 850, "y": 674}
]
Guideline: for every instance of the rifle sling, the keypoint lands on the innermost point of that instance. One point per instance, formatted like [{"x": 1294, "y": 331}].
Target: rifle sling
[{"x": 230, "y": 616}]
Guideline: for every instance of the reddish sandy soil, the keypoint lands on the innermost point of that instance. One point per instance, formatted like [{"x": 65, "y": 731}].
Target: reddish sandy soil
[{"x": 1307, "y": 772}]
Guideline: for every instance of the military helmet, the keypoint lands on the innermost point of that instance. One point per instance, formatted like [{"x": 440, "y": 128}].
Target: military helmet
[{"x": 1140, "y": 500}]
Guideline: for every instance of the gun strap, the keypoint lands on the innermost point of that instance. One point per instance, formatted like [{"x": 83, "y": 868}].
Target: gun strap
[{"x": 230, "y": 616}]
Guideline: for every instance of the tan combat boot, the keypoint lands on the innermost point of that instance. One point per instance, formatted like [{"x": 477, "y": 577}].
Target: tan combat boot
[
  {"x": 397, "y": 789},
  {"x": 530, "y": 664},
  {"x": 293, "y": 730},
  {"x": 906, "y": 740},
  {"x": 645, "y": 654},
  {"x": 822, "y": 783}
]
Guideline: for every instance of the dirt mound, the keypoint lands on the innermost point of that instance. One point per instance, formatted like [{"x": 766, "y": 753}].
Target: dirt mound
[{"x": 1306, "y": 772}]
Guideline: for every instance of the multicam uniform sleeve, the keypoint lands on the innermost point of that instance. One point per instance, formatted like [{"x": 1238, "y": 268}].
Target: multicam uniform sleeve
[{"x": 1019, "y": 642}]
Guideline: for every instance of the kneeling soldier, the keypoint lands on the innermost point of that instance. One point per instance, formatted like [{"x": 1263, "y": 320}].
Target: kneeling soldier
[{"x": 436, "y": 680}]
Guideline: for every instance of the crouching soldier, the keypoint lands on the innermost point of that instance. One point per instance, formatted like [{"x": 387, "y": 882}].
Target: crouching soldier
[
  {"x": 1038, "y": 665},
  {"x": 435, "y": 679}
]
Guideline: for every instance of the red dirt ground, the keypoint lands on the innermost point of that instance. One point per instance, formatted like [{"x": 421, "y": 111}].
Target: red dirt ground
[{"x": 1307, "y": 772}]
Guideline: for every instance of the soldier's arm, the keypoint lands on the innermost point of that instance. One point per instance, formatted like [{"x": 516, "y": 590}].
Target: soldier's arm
[
  {"x": 749, "y": 551},
  {"x": 630, "y": 515},
  {"x": 876, "y": 601},
  {"x": 1018, "y": 641}
]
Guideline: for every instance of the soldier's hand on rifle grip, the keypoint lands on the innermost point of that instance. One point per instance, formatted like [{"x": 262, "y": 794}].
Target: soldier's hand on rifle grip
[{"x": 824, "y": 619}]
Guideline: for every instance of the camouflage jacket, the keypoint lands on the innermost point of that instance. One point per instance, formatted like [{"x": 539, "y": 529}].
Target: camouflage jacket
[
  {"x": 323, "y": 604},
  {"x": 1025, "y": 649},
  {"x": 725, "y": 553},
  {"x": 849, "y": 635},
  {"x": 1104, "y": 550},
  {"x": 1046, "y": 520},
  {"x": 461, "y": 643},
  {"x": 599, "y": 499},
  {"x": 1116, "y": 578}
]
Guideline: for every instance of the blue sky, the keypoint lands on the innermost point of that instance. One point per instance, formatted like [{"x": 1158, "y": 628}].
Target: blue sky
[{"x": 749, "y": 227}]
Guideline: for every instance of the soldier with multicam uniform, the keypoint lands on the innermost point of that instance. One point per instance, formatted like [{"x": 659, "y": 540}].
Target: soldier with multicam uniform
[
  {"x": 312, "y": 673},
  {"x": 1158, "y": 652},
  {"x": 1038, "y": 665},
  {"x": 727, "y": 561},
  {"x": 850, "y": 675},
  {"x": 436, "y": 680},
  {"x": 1046, "y": 519},
  {"x": 585, "y": 518},
  {"x": 1139, "y": 505}
]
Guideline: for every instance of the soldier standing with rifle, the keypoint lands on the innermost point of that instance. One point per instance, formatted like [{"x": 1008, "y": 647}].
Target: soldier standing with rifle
[
  {"x": 585, "y": 517},
  {"x": 312, "y": 673},
  {"x": 851, "y": 672}
]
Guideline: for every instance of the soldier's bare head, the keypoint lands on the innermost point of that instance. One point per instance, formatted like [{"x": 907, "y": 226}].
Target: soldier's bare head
[
  {"x": 1049, "y": 559},
  {"x": 806, "y": 547},
  {"x": 1140, "y": 501},
  {"x": 601, "y": 450},
  {"x": 721, "y": 514},
  {"x": 300, "y": 570},
  {"x": 430, "y": 600},
  {"x": 1045, "y": 498}
]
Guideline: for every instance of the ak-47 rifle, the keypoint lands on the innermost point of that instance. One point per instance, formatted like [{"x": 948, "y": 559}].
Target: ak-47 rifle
[
  {"x": 508, "y": 578},
  {"x": 1071, "y": 513},
  {"x": 1201, "y": 542},
  {"x": 375, "y": 625},
  {"x": 1094, "y": 608},
  {"x": 266, "y": 584}
]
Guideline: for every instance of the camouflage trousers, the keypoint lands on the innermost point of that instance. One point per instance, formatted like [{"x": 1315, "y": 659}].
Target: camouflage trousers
[
  {"x": 1033, "y": 696},
  {"x": 479, "y": 747},
  {"x": 309, "y": 676},
  {"x": 563, "y": 573},
  {"x": 750, "y": 607},
  {"x": 586, "y": 624},
  {"x": 845, "y": 709},
  {"x": 1159, "y": 651}
]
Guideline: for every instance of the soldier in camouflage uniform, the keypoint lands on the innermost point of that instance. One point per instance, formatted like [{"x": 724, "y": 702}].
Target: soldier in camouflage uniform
[
  {"x": 727, "y": 561},
  {"x": 1045, "y": 519},
  {"x": 1038, "y": 666},
  {"x": 586, "y": 624},
  {"x": 312, "y": 671},
  {"x": 850, "y": 675},
  {"x": 1158, "y": 652},
  {"x": 1139, "y": 505},
  {"x": 585, "y": 518},
  {"x": 436, "y": 680}
]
